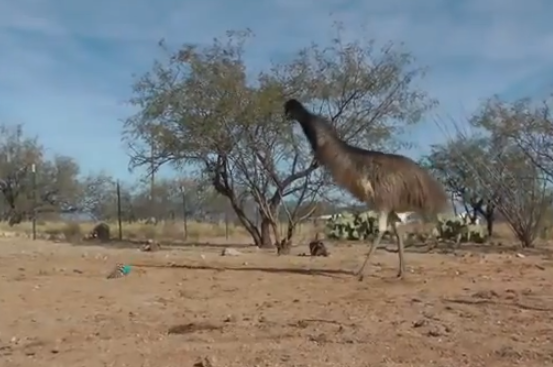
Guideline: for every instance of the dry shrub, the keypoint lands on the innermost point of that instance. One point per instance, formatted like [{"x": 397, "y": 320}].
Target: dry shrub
[
  {"x": 102, "y": 232},
  {"x": 172, "y": 230},
  {"x": 130, "y": 235},
  {"x": 53, "y": 231},
  {"x": 148, "y": 231},
  {"x": 503, "y": 231}
]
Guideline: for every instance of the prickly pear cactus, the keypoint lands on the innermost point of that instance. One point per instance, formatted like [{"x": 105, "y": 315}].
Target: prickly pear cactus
[
  {"x": 454, "y": 228},
  {"x": 476, "y": 233},
  {"x": 352, "y": 227},
  {"x": 362, "y": 226}
]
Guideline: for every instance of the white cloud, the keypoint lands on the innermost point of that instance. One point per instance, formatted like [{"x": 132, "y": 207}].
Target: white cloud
[{"x": 67, "y": 65}]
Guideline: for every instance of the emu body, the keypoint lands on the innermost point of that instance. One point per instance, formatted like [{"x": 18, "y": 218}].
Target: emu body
[{"x": 387, "y": 183}]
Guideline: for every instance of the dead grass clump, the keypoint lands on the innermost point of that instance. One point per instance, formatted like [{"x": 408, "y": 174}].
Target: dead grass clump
[
  {"x": 149, "y": 231},
  {"x": 502, "y": 231},
  {"x": 72, "y": 231},
  {"x": 162, "y": 231},
  {"x": 52, "y": 232}
]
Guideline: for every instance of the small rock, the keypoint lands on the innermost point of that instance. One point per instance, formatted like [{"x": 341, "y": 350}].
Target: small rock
[
  {"x": 151, "y": 246},
  {"x": 434, "y": 332},
  {"x": 485, "y": 294},
  {"x": 229, "y": 318},
  {"x": 229, "y": 251},
  {"x": 521, "y": 256},
  {"x": 319, "y": 338},
  {"x": 205, "y": 362}
]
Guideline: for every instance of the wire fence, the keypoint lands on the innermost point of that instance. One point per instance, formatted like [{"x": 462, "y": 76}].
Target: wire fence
[
  {"x": 180, "y": 218},
  {"x": 36, "y": 206}
]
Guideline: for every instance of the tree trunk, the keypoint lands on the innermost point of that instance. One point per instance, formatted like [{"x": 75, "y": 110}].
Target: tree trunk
[
  {"x": 526, "y": 239},
  {"x": 490, "y": 217},
  {"x": 489, "y": 225},
  {"x": 284, "y": 247},
  {"x": 265, "y": 240}
]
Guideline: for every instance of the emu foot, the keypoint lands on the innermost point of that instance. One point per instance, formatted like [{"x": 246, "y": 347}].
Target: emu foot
[
  {"x": 358, "y": 274},
  {"x": 400, "y": 274}
]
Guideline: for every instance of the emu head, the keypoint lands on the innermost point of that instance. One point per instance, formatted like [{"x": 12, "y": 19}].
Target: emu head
[
  {"x": 314, "y": 128},
  {"x": 294, "y": 110}
]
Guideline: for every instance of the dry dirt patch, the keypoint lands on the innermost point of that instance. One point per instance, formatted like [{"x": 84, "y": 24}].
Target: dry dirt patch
[{"x": 256, "y": 309}]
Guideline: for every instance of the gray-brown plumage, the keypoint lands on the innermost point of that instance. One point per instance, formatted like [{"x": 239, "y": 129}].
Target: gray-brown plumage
[{"x": 388, "y": 183}]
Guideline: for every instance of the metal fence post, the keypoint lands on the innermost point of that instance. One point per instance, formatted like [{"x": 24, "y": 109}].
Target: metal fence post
[
  {"x": 119, "y": 215},
  {"x": 33, "y": 172}
]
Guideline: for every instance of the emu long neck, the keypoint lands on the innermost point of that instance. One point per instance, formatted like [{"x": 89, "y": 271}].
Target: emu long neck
[
  {"x": 317, "y": 131},
  {"x": 310, "y": 133},
  {"x": 333, "y": 154}
]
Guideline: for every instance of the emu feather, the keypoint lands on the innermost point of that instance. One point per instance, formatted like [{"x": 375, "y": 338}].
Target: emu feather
[{"x": 388, "y": 183}]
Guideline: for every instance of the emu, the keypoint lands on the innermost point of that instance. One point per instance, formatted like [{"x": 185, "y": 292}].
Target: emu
[{"x": 387, "y": 183}]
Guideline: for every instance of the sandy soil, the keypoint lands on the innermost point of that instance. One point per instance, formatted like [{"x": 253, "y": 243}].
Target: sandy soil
[{"x": 58, "y": 309}]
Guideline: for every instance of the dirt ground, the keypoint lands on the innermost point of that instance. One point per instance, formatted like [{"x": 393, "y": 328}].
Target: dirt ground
[{"x": 192, "y": 306}]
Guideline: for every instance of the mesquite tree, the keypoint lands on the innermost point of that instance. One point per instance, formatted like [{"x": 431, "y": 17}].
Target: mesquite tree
[{"x": 200, "y": 109}]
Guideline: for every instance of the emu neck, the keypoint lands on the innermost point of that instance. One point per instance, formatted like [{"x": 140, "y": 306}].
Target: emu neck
[{"x": 306, "y": 122}]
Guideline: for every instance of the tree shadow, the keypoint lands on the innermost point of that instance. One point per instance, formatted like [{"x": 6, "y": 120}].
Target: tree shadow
[
  {"x": 516, "y": 304},
  {"x": 331, "y": 273},
  {"x": 164, "y": 245},
  {"x": 449, "y": 248}
]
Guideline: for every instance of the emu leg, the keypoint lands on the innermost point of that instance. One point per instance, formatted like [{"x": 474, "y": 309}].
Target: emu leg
[
  {"x": 382, "y": 227},
  {"x": 372, "y": 248},
  {"x": 400, "y": 251},
  {"x": 457, "y": 241}
]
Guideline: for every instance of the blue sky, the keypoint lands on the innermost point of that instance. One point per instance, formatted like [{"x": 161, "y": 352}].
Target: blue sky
[{"x": 66, "y": 66}]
